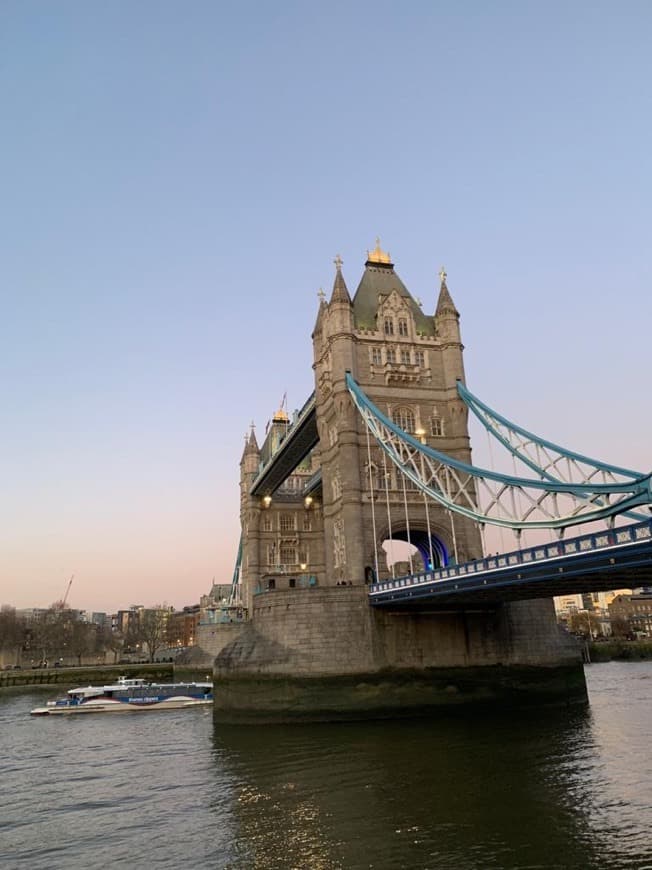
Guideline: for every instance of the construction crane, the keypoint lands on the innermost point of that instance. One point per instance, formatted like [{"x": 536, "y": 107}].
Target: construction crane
[{"x": 59, "y": 605}]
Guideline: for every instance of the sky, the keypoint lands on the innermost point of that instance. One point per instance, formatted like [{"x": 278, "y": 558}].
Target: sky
[{"x": 176, "y": 179}]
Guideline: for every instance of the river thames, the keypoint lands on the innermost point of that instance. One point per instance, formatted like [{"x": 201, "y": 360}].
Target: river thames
[{"x": 471, "y": 790}]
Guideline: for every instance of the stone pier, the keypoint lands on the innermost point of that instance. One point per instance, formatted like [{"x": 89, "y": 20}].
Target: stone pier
[{"x": 325, "y": 654}]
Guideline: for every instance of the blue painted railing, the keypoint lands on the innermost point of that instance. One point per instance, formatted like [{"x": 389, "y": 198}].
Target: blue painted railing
[{"x": 617, "y": 537}]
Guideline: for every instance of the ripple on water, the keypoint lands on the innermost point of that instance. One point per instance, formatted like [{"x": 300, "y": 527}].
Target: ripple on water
[{"x": 469, "y": 790}]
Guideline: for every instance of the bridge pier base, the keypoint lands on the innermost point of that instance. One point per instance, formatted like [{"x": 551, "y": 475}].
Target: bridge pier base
[{"x": 325, "y": 654}]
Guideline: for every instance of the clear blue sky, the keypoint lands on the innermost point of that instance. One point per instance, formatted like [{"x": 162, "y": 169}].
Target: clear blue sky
[{"x": 176, "y": 179}]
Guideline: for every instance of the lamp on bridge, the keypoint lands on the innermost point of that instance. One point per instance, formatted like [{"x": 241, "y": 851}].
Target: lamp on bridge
[
  {"x": 307, "y": 501},
  {"x": 421, "y": 434},
  {"x": 267, "y": 500}
]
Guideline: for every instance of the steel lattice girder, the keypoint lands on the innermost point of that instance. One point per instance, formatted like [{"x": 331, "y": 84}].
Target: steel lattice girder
[{"x": 513, "y": 502}]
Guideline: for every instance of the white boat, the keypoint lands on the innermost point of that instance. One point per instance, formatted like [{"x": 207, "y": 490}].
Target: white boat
[{"x": 128, "y": 696}]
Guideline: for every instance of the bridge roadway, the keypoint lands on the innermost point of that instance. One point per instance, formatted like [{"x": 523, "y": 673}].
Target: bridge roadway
[
  {"x": 299, "y": 440},
  {"x": 595, "y": 562}
]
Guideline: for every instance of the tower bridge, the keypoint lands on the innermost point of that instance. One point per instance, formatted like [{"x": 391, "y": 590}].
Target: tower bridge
[{"x": 380, "y": 452}]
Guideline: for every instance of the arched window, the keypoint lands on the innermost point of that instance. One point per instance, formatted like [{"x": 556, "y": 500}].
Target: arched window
[
  {"x": 389, "y": 326},
  {"x": 402, "y": 326},
  {"x": 404, "y": 417}
]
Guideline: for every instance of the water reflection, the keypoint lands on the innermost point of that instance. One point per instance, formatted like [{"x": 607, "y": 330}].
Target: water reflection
[{"x": 480, "y": 790}]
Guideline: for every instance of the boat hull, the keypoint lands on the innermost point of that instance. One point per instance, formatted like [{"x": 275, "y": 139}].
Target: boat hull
[{"x": 107, "y": 705}]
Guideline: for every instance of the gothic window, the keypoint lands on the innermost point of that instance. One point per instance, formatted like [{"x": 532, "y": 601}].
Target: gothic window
[
  {"x": 436, "y": 427},
  {"x": 287, "y": 522},
  {"x": 267, "y": 523},
  {"x": 271, "y": 554},
  {"x": 336, "y": 487},
  {"x": 376, "y": 356},
  {"x": 404, "y": 417},
  {"x": 419, "y": 358},
  {"x": 391, "y": 356},
  {"x": 389, "y": 326},
  {"x": 339, "y": 544},
  {"x": 405, "y": 357},
  {"x": 307, "y": 522},
  {"x": 383, "y": 479},
  {"x": 288, "y": 554},
  {"x": 402, "y": 326}
]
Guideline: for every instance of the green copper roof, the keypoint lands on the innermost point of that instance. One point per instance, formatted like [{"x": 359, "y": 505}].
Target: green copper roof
[{"x": 381, "y": 279}]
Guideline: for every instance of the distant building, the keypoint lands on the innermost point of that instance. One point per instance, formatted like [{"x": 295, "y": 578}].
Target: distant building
[
  {"x": 635, "y": 610},
  {"x": 182, "y": 626}
]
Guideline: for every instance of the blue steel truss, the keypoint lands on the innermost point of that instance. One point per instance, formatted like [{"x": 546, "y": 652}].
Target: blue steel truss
[{"x": 586, "y": 491}]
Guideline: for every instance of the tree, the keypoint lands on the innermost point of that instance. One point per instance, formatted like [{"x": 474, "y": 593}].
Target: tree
[
  {"x": 81, "y": 637},
  {"x": 620, "y": 627},
  {"x": 584, "y": 622},
  {"x": 153, "y": 628},
  {"x": 112, "y": 640},
  {"x": 50, "y": 632},
  {"x": 12, "y": 632}
]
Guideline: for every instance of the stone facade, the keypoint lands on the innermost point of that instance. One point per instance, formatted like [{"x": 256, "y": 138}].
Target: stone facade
[
  {"x": 408, "y": 363},
  {"x": 325, "y": 653},
  {"x": 306, "y": 561}
]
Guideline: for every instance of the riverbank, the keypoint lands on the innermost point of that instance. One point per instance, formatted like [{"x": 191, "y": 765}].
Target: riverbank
[
  {"x": 620, "y": 650},
  {"x": 98, "y": 675}
]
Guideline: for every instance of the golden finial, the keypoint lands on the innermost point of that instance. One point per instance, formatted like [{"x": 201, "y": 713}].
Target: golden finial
[
  {"x": 338, "y": 262},
  {"x": 442, "y": 275},
  {"x": 322, "y": 295},
  {"x": 378, "y": 255}
]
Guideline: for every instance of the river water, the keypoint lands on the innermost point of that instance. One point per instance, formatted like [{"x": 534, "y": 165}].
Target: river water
[{"x": 471, "y": 790}]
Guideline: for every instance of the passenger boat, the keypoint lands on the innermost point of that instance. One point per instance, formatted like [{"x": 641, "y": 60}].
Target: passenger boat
[{"x": 128, "y": 696}]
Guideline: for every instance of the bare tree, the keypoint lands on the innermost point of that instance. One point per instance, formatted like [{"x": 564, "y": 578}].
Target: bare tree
[
  {"x": 153, "y": 628},
  {"x": 81, "y": 638},
  {"x": 584, "y": 622},
  {"x": 108, "y": 639},
  {"x": 12, "y": 632}
]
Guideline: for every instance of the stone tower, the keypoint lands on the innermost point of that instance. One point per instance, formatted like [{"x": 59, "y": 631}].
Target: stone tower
[
  {"x": 408, "y": 363},
  {"x": 317, "y": 503}
]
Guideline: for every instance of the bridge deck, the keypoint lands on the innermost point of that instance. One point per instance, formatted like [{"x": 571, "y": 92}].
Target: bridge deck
[{"x": 621, "y": 558}]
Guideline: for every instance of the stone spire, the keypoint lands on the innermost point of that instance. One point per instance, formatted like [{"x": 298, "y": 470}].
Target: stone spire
[
  {"x": 320, "y": 314},
  {"x": 340, "y": 292},
  {"x": 445, "y": 304},
  {"x": 251, "y": 444}
]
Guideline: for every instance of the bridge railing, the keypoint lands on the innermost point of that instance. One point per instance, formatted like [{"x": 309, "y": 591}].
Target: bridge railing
[{"x": 539, "y": 553}]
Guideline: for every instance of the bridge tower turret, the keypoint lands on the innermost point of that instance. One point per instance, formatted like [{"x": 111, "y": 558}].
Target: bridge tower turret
[
  {"x": 408, "y": 363},
  {"x": 335, "y": 353},
  {"x": 250, "y": 511}
]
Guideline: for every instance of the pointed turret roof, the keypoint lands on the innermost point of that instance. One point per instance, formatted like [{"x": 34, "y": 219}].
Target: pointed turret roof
[
  {"x": 380, "y": 279},
  {"x": 445, "y": 304},
  {"x": 251, "y": 444},
  {"x": 320, "y": 313},
  {"x": 340, "y": 291}
]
